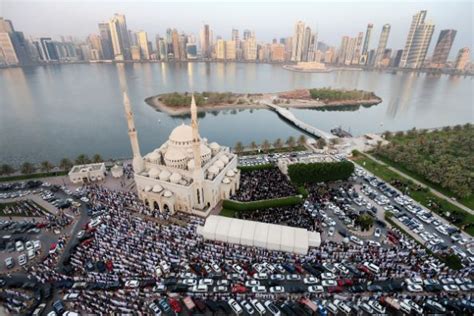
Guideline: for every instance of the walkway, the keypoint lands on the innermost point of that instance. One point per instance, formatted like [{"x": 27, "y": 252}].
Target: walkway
[
  {"x": 284, "y": 113},
  {"x": 437, "y": 193}
]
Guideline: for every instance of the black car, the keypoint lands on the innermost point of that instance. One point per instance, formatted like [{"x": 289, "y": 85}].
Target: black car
[
  {"x": 343, "y": 233},
  {"x": 212, "y": 305},
  {"x": 287, "y": 310},
  {"x": 178, "y": 288},
  {"x": 59, "y": 307},
  {"x": 46, "y": 291}
]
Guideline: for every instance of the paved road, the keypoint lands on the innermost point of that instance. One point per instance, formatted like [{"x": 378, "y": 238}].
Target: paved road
[{"x": 437, "y": 193}]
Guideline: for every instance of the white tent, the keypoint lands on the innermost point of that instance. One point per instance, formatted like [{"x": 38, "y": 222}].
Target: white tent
[
  {"x": 250, "y": 233},
  {"x": 260, "y": 235}
]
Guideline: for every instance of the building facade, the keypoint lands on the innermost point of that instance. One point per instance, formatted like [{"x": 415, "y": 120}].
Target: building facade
[
  {"x": 382, "y": 45},
  {"x": 186, "y": 173},
  {"x": 443, "y": 48},
  {"x": 462, "y": 59}
]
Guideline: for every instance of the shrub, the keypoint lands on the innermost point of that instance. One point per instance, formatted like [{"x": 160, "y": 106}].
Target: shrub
[{"x": 320, "y": 171}]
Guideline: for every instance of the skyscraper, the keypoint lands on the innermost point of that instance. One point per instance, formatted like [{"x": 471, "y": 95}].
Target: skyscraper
[
  {"x": 247, "y": 34},
  {"x": 382, "y": 44},
  {"x": 420, "y": 44},
  {"x": 205, "y": 41},
  {"x": 443, "y": 47},
  {"x": 365, "y": 48},
  {"x": 230, "y": 53},
  {"x": 306, "y": 43},
  {"x": 120, "y": 37},
  {"x": 350, "y": 49},
  {"x": 357, "y": 51},
  {"x": 417, "y": 21},
  {"x": 250, "y": 49},
  {"x": 462, "y": 59},
  {"x": 13, "y": 46},
  {"x": 106, "y": 41},
  {"x": 341, "y": 54},
  {"x": 220, "y": 49},
  {"x": 143, "y": 44},
  {"x": 298, "y": 41}
]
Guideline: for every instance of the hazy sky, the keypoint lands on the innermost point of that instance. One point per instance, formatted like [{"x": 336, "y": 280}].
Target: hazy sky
[{"x": 268, "y": 19}]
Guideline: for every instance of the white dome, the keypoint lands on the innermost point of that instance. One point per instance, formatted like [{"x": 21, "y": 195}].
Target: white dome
[
  {"x": 167, "y": 194},
  {"x": 147, "y": 188},
  {"x": 230, "y": 173},
  {"x": 214, "y": 146},
  {"x": 173, "y": 154},
  {"x": 164, "y": 175},
  {"x": 226, "y": 180},
  {"x": 224, "y": 159},
  {"x": 205, "y": 150},
  {"x": 182, "y": 133},
  {"x": 157, "y": 188},
  {"x": 213, "y": 170},
  {"x": 219, "y": 164},
  {"x": 154, "y": 173},
  {"x": 175, "y": 177},
  {"x": 189, "y": 152}
]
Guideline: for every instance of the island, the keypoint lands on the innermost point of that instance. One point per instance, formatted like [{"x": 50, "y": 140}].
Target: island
[{"x": 177, "y": 104}]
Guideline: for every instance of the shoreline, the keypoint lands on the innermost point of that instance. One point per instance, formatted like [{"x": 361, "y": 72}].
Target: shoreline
[{"x": 155, "y": 103}]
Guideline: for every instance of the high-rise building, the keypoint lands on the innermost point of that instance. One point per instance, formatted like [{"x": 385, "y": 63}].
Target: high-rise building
[
  {"x": 235, "y": 38},
  {"x": 247, "y": 34},
  {"x": 306, "y": 43},
  {"x": 205, "y": 39},
  {"x": 277, "y": 52},
  {"x": 250, "y": 49},
  {"x": 365, "y": 48},
  {"x": 175, "y": 44},
  {"x": 120, "y": 37},
  {"x": 182, "y": 41},
  {"x": 329, "y": 55},
  {"x": 191, "y": 51},
  {"x": 318, "y": 56},
  {"x": 143, "y": 44},
  {"x": 341, "y": 54},
  {"x": 106, "y": 41},
  {"x": 417, "y": 23},
  {"x": 396, "y": 60},
  {"x": 16, "y": 47},
  {"x": 230, "y": 52},
  {"x": 95, "y": 47},
  {"x": 420, "y": 44},
  {"x": 7, "y": 51},
  {"x": 382, "y": 44},
  {"x": 162, "y": 49},
  {"x": 442, "y": 48},
  {"x": 357, "y": 52},
  {"x": 462, "y": 59},
  {"x": 220, "y": 49},
  {"x": 298, "y": 42},
  {"x": 350, "y": 49}
]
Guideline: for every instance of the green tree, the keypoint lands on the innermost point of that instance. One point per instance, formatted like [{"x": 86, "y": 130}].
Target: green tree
[
  {"x": 65, "y": 164},
  {"x": 6, "y": 169},
  {"x": 278, "y": 143},
  {"x": 46, "y": 166},
  {"x": 301, "y": 140},
  {"x": 27, "y": 168},
  {"x": 238, "y": 148},
  {"x": 82, "y": 159},
  {"x": 266, "y": 145},
  {"x": 365, "y": 221},
  {"x": 387, "y": 134},
  {"x": 291, "y": 142},
  {"x": 97, "y": 158}
]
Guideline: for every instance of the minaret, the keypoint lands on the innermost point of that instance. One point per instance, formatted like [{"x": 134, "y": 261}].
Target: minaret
[
  {"x": 198, "y": 175},
  {"x": 137, "y": 162}
]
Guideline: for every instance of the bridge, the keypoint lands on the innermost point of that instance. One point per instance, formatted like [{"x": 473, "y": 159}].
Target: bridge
[{"x": 290, "y": 117}]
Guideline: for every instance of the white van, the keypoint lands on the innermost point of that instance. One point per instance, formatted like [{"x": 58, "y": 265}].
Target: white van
[{"x": 235, "y": 306}]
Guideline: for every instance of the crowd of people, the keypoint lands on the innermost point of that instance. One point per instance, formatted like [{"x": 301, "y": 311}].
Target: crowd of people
[
  {"x": 294, "y": 216},
  {"x": 263, "y": 184},
  {"x": 134, "y": 241}
]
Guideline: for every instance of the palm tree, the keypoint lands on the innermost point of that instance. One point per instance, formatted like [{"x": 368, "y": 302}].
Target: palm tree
[
  {"x": 46, "y": 166},
  {"x": 82, "y": 159},
  {"x": 290, "y": 142},
  {"x": 302, "y": 140},
  {"x": 65, "y": 164},
  {"x": 321, "y": 143},
  {"x": 365, "y": 221},
  {"x": 238, "y": 148},
  {"x": 97, "y": 158},
  {"x": 278, "y": 143},
  {"x": 266, "y": 145},
  {"x": 27, "y": 168},
  {"x": 6, "y": 169},
  {"x": 253, "y": 145}
]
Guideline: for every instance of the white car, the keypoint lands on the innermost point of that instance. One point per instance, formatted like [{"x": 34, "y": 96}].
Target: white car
[
  {"x": 414, "y": 288},
  {"x": 277, "y": 289},
  {"x": 132, "y": 284},
  {"x": 206, "y": 281},
  {"x": 310, "y": 280},
  {"x": 19, "y": 246},
  {"x": 238, "y": 269},
  {"x": 29, "y": 245},
  {"x": 252, "y": 283},
  {"x": 356, "y": 240},
  {"x": 341, "y": 268},
  {"x": 328, "y": 276},
  {"x": 37, "y": 245},
  {"x": 155, "y": 309},
  {"x": 331, "y": 231},
  {"x": 377, "y": 233},
  {"x": 84, "y": 199},
  {"x": 216, "y": 268},
  {"x": 451, "y": 288},
  {"x": 373, "y": 243},
  {"x": 201, "y": 288},
  {"x": 377, "y": 307},
  {"x": 71, "y": 297},
  {"x": 80, "y": 234},
  {"x": 165, "y": 267},
  {"x": 315, "y": 289},
  {"x": 415, "y": 307},
  {"x": 258, "y": 307},
  {"x": 372, "y": 267},
  {"x": 328, "y": 283},
  {"x": 272, "y": 308},
  {"x": 260, "y": 276},
  {"x": 189, "y": 282},
  {"x": 259, "y": 289},
  {"x": 22, "y": 260},
  {"x": 31, "y": 254}
]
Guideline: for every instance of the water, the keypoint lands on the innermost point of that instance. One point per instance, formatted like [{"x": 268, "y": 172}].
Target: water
[{"x": 47, "y": 113}]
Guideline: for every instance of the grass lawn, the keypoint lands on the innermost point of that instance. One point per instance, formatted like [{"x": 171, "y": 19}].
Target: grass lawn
[
  {"x": 425, "y": 198},
  {"x": 273, "y": 151},
  {"x": 467, "y": 201}
]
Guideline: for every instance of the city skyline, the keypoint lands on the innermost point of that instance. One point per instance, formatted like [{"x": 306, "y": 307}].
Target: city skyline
[{"x": 329, "y": 22}]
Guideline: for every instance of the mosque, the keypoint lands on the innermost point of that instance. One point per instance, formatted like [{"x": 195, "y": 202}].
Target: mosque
[{"x": 186, "y": 173}]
